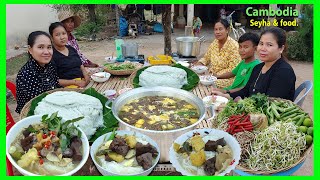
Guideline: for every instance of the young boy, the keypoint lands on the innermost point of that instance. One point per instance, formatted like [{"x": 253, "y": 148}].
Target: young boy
[
  {"x": 196, "y": 26},
  {"x": 248, "y": 43}
]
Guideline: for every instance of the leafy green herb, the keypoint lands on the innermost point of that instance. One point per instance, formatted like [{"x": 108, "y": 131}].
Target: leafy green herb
[
  {"x": 65, "y": 130},
  {"x": 53, "y": 122},
  {"x": 64, "y": 142},
  {"x": 32, "y": 130},
  {"x": 260, "y": 100},
  {"x": 66, "y": 124},
  {"x": 113, "y": 134},
  {"x": 123, "y": 66},
  {"x": 188, "y": 113}
]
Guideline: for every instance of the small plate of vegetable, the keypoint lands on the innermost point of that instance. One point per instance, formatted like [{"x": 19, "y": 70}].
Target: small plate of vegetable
[{"x": 125, "y": 68}]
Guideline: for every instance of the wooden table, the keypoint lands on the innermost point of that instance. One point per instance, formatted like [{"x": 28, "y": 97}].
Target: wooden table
[{"x": 120, "y": 82}]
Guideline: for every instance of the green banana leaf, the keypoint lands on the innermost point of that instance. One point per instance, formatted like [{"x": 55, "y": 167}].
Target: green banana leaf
[
  {"x": 110, "y": 122},
  {"x": 192, "y": 77},
  {"x": 35, "y": 102}
]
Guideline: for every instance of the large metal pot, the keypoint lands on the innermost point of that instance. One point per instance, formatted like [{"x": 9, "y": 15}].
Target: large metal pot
[
  {"x": 163, "y": 138},
  {"x": 188, "y": 46},
  {"x": 129, "y": 49}
]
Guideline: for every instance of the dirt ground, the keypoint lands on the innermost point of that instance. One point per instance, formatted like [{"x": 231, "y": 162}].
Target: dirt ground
[{"x": 153, "y": 44}]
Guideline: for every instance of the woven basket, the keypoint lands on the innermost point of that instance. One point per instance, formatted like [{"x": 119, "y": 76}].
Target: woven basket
[
  {"x": 122, "y": 72},
  {"x": 302, "y": 158},
  {"x": 26, "y": 107}
]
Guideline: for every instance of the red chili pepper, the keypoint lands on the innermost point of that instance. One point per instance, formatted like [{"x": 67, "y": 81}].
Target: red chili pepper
[
  {"x": 41, "y": 161},
  {"x": 248, "y": 128},
  {"x": 232, "y": 162},
  {"x": 232, "y": 128},
  {"x": 47, "y": 144},
  {"x": 39, "y": 153},
  {"x": 228, "y": 129},
  {"x": 242, "y": 123},
  {"x": 250, "y": 125},
  {"x": 44, "y": 136},
  {"x": 53, "y": 133},
  {"x": 247, "y": 118},
  {"x": 237, "y": 130},
  {"x": 234, "y": 116},
  {"x": 233, "y": 121}
]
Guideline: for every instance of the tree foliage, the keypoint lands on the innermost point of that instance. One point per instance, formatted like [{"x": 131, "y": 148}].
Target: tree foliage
[{"x": 300, "y": 44}]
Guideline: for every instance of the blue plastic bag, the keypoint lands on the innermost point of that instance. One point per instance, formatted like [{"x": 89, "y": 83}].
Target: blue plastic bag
[
  {"x": 158, "y": 27},
  {"x": 123, "y": 27}
]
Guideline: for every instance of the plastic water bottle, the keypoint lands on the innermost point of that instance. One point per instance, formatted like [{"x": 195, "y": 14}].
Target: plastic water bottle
[{"x": 119, "y": 42}]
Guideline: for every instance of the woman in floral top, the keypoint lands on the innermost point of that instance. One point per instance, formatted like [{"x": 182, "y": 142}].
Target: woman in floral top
[
  {"x": 70, "y": 22},
  {"x": 223, "y": 54}
]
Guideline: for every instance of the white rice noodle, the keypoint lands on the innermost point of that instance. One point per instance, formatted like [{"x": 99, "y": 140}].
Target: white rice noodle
[
  {"x": 163, "y": 76},
  {"x": 48, "y": 168},
  {"x": 72, "y": 105},
  {"x": 119, "y": 168}
]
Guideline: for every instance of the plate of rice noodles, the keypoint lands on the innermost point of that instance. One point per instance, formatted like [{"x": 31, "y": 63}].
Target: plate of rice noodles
[
  {"x": 176, "y": 76},
  {"x": 205, "y": 152}
]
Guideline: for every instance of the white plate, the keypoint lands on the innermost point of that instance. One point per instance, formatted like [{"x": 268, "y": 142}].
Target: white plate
[
  {"x": 102, "y": 139},
  {"x": 208, "y": 102},
  {"x": 230, "y": 140},
  {"x": 110, "y": 59}
]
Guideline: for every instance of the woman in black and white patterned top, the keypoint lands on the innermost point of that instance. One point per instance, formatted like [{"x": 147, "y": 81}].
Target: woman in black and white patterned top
[{"x": 38, "y": 74}]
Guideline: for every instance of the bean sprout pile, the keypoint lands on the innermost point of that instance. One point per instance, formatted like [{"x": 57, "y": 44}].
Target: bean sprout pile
[{"x": 277, "y": 147}]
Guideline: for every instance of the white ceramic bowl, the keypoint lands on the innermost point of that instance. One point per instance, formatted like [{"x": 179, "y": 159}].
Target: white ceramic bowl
[
  {"x": 110, "y": 59},
  {"x": 199, "y": 69},
  {"x": 101, "y": 140},
  {"x": 110, "y": 93},
  {"x": 184, "y": 63},
  {"x": 207, "y": 80},
  {"x": 100, "y": 76},
  {"x": 121, "y": 91},
  {"x": 35, "y": 119},
  {"x": 230, "y": 140},
  {"x": 219, "y": 100}
]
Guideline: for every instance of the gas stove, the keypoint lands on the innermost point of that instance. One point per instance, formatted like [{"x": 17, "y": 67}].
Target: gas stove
[
  {"x": 178, "y": 57},
  {"x": 139, "y": 58}
]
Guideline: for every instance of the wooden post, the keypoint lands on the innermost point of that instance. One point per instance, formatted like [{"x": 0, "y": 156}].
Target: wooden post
[
  {"x": 166, "y": 22},
  {"x": 190, "y": 14},
  {"x": 188, "y": 31},
  {"x": 117, "y": 19},
  {"x": 274, "y": 7}
]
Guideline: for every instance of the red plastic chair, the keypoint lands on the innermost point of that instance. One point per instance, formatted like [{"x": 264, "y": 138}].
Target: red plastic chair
[{"x": 10, "y": 122}]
